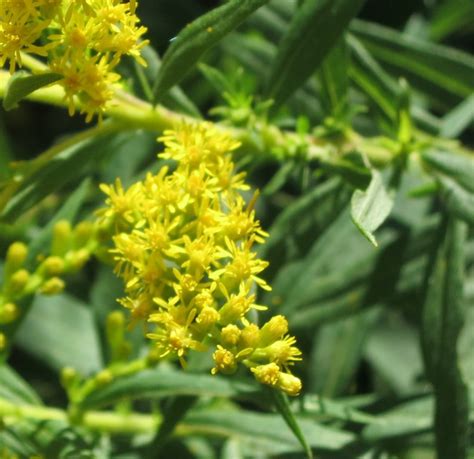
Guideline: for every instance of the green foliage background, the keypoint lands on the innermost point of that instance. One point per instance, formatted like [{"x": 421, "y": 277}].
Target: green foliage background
[{"x": 385, "y": 321}]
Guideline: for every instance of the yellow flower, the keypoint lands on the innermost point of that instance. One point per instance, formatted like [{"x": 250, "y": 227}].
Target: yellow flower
[
  {"x": 184, "y": 245},
  {"x": 83, "y": 41}
]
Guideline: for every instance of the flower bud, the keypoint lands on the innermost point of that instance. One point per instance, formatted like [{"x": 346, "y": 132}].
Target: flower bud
[
  {"x": 68, "y": 377},
  {"x": 230, "y": 335},
  {"x": 104, "y": 377},
  {"x": 82, "y": 233},
  {"x": 53, "y": 266},
  {"x": 78, "y": 258},
  {"x": 16, "y": 256},
  {"x": 273, "y": 330},
  {"x": 8, "y": 313},
  {"x": 61, "y": 238},
  {"x": 18, "y": 281},
  {"x": 289, "y": 383},
  {"x": 224, "y": 360},
  {"x": 52, "y": 286},
  {"x": 114, "y": 329}
]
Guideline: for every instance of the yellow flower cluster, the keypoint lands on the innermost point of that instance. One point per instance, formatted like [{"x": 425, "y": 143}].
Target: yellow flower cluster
[
  {"x": 83, "y": 41},
  {"x": 184, "y": 245}
]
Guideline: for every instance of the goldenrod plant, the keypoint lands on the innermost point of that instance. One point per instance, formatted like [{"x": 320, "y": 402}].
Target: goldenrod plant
[{"x": 259, "y": 245}]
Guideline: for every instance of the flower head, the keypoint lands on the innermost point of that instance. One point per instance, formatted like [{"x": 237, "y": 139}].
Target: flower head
[
  {"x": 184, "y": 245},
  {"x": 82, "y": 40}
]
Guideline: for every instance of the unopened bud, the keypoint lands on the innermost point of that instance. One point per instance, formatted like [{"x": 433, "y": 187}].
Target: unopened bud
[
  {"x": 18, "y": 281},
  {"x": 104, "y": 377},
  {"x": 53, "y": 266},
  {"x": 290, "y": 384},
  {"x": 61, "y": 238},
  {"x": 114, "y": 329},
  {"x": 16, "y": 256},
  {"x": 82, "y": 233},
  {"x": 52, "y": 286},
  {"x": 8, "y": 313},
  {"x": 68, "y": 377},
  {"x": 273, "y": 330},
  {"x": 78, "y": 258}
]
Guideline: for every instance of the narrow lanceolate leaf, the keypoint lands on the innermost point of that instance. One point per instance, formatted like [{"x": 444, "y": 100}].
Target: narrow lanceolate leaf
[
  {"x": 455, "y": 174},
  {"x": 381, "y": 88},
  {"x": 163, "y": 382},
  {"x": 22, "y": 83},
  {"x": 442, "y": 320},
  {"x": 372, "y": 79},
  {"x": 457, "y": 166},
  {"x": 433, "y": 65},
  {"x": 198, "y": 37},
  {"x": 283, "y": 407},
  {"x": 371, "y": 207},
  {"x": 458, "y": 119},
  {"x": 314, "y": 30},
  {"x": 335, "y": 80}
]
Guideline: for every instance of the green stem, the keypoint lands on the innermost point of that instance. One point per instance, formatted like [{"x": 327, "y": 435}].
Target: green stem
[
  {"x": 138, "y": 114},
  {"x": 100, "y": 421}
]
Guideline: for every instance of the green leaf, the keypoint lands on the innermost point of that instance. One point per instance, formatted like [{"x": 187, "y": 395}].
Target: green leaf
[
  {"x": 443, "y": 316},
  {"x": 312, "y": 212},
  {"x": 451, "y": 18},
  {"x": 371, "y": 207},
  {"x": 337, "y": 352},
  {"x": 459, "y": 201},
  {"x": 6, "y": 154},
  {"x": 341, "y": 410},
  {"x": 392, "y": 351},
  {"x": 175, "y": 99},
  {"x": 436, "y": 65},
  {"x": 407, "y": 419},
  {"x": 335, "y": 80},
  {"x": 265, "y": 433},
  {"x": 65, "y": 168},
  {"x": 315, "y": 28},
  {"x": 283, "y": 407},
  {"x": 14, "y": 389},
  {"x": 198, "y": 37},
  {"x": 68, "y": 337},
  {"x": 22, "y": 83},
  {"x": 68, "y": 211},
  {"x": 459, "y": 167},
  {"x": 382, "y": 88},
  {"x": 455, "y": 174},
  {"x": 163, "y": 382},
  {"x": 458, "y": 119}
]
